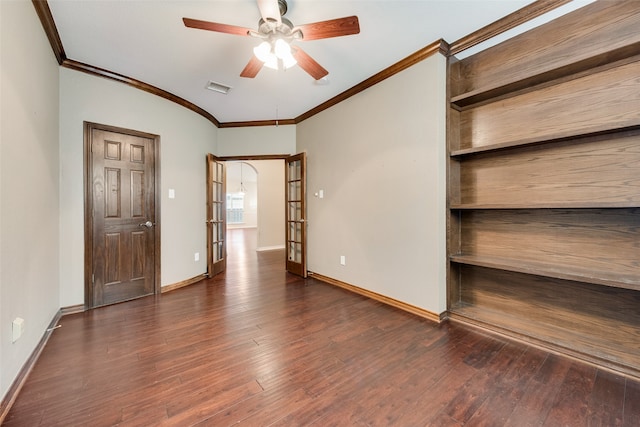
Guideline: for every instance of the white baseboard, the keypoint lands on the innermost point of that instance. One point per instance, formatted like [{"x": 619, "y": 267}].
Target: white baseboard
[{"x": 269, "y": 248}]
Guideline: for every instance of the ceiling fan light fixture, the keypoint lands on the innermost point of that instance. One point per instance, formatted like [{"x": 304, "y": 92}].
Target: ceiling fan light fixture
[
  {"x": 276, "y": 32},
  {"x": 289, "y": 61},
  {"x": 263, "y": 52},
  {"x": 283, "y": 52},
  {"x": 272, "y": 62},
  {"x": 281, "y": 48},
  {"x": 272, "y": 54}
]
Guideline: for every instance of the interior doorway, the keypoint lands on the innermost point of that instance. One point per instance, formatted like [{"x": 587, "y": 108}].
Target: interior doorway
[
  {"x": 256, "y": 201},
  {"x": 280, "y": 204},
  {"x": 122, "y": 238}
]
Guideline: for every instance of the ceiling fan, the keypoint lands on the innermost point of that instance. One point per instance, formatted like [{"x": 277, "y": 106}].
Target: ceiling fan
[{"x": 277, "y": 33}]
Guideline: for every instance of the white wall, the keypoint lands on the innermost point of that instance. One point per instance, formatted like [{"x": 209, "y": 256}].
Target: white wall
[
  {"x": 29, "y": 186},
  {"x": 257, "y": 140},
  {"x": 270, "y": 203},
  {"x": 185, "y": 139},
  {"x": 380, "y": 159}
]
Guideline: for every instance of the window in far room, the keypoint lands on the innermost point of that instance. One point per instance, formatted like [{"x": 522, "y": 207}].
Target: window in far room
[
  {"x": 242, "y": 195},
  {"x": 235, "y": 208}
]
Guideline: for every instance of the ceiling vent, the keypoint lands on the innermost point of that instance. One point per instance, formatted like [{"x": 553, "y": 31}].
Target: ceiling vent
[{"x": 218, "y": 87}]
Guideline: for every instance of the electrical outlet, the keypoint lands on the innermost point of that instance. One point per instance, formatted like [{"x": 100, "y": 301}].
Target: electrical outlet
[
  {"x": 196, "y": 256},
  {"x": 343, "y": 260}
]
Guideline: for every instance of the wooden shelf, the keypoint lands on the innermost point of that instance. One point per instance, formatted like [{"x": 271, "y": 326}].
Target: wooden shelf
[
  {"x": 597, "y": 171},
  {"x": 549, "y": 77},
  {"x": 554, "y": 139},
  {"x": 592, "y": 104},
  {"x": 559, "y": 205},
  {"x": 587, "y": 275},
  {"x": 559, "y": 48},
  {"x": 579, "y": 343}
]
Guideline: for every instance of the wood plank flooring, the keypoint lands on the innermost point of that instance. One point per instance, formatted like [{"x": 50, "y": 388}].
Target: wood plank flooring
[{"x": 258, "y": 347}]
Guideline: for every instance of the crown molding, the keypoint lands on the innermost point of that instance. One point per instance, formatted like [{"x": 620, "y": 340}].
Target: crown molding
[
  {"x": 48, "y": 24},
  {"x": 520, "y": 16},
  {"x": 50, "y": 29},
  {"x": 278, "y": 122},
  {"x": 97, "y": 71},
  {"x": 440, "y": 46}
]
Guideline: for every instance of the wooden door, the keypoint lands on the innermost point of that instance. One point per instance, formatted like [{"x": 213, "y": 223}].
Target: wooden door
[
  {"x": 216, "y": 216},
  {"x": 295, "y": 212},
  {"x": 123, "y": 241}
]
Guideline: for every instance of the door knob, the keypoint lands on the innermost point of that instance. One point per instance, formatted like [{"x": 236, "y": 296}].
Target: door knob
[{"x": 147, "y": 224}]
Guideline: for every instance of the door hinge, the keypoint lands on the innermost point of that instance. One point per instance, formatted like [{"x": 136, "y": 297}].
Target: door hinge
[{"x": 93, "y": 279}]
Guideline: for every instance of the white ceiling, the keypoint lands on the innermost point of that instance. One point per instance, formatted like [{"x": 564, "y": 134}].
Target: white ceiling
[{"x": 146, "y": 40}]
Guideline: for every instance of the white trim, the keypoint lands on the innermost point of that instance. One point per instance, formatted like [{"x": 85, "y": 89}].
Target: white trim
[{"x": 269, "y": 248}]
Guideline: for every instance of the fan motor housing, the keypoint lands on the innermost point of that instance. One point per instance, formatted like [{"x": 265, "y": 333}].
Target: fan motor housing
[
  {"x": 282, "y": 5},
  {"x": 268, "y": 28}
]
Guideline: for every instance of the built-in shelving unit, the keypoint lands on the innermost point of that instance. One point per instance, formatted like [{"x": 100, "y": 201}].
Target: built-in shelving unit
[{"x": 544, "y": 186}]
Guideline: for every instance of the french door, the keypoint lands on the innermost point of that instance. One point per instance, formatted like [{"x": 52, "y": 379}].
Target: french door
[
  {"x": 216, "y": 216},
  {"x": 295, "y": 212}
]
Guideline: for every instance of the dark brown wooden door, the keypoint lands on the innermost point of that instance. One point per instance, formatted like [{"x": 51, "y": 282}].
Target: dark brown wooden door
[
  {"x": 296, "y": 227},
  {"x": 216, "y": 216},
  {"x": 122, "y": 173}
]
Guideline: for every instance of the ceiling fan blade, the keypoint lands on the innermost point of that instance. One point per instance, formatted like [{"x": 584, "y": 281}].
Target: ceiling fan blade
[
  {"x": 269, "y": 10},
  {"x": 332, "y": 28},
  {"x": 252, "y": 68},
  {"x": 309, "y": 64},
  {"x": 214, "y": 26}
]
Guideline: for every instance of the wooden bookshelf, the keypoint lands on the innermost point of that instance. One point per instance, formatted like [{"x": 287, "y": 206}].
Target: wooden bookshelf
[
  {"x": 544, "y": 186},
  {"x": 577, "y": 43}
]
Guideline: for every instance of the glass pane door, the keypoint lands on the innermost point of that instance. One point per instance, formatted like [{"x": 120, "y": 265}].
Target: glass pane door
[
  {"x": 216, "y": 216},
  {"x": 295, "y": 192}
]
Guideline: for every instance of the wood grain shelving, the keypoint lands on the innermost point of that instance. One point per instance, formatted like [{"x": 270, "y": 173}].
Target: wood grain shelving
[
  {"x": 549, "y": 335},
  {"x": 568, "y": 71},
  {"x": 535, "y": 205},
  {"x": 544, "y": 186},
  {"x": 552, "y": 139},
  {"x": 549, "y": 269},
  {"x": 570, "y": 46}
]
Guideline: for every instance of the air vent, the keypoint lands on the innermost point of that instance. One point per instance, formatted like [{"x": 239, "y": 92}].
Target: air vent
[{"x": 218, "y": 87}]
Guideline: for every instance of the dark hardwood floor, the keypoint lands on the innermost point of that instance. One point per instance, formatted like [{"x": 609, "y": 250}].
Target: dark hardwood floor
[{"x": 257, "y": 346}]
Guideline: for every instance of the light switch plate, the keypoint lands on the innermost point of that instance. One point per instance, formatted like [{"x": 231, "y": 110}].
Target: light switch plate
[{"x": 17, "y": 329}]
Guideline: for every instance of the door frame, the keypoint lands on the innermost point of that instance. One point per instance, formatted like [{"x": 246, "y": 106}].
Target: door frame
[
  {"x": 282, "y": 157},
  {"x": 88, "y": 205}
]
